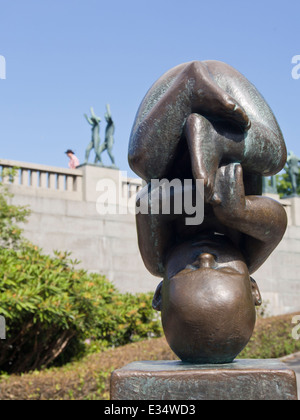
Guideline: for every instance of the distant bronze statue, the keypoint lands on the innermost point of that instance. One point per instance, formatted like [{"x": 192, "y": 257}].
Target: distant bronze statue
[
  {"x": 94, "y": 121},
  {"x": 204, "y": 120},
  {"x": 293, "y": 171},
  {"x": 109, "y": 136}
]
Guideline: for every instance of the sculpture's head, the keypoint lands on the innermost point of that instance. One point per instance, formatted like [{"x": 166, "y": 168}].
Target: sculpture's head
[
  {"x": 207, "y": 301},
  {"x": 69, "y": 153}
]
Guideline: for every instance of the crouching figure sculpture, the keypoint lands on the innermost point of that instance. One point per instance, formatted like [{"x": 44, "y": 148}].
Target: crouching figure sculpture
[{"x": 205, "y": 121}]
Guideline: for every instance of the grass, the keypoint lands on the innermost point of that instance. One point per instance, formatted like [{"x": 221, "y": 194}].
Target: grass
[{"x": 88, "y": 379}]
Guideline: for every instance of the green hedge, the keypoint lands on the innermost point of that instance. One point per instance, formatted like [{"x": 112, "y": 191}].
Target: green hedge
[{"x": 51, "y": 308}]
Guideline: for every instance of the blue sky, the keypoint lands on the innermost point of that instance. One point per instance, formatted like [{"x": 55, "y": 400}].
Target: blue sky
[{"x": 64, "y": 56}]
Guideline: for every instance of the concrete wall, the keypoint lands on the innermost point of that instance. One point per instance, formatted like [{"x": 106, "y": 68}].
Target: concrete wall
[
  {"x": 279, "y": 277},
  {"x": 74, "y": 216},
  {"x": 70, "y": 211},
  {"x": 104, "y": 244}
]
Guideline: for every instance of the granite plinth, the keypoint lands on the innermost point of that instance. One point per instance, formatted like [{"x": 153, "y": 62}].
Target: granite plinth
[{"x": 172, "y": 380}]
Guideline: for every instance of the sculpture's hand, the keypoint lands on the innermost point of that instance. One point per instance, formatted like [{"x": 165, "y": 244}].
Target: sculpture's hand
[
  {"x": 230, "y": 200},
  {"x": 94, "y": 116},
  {"x": 108, "y": 112},
  {"x": 88, "y": 119},
  {"x": 261, "y": 220}
]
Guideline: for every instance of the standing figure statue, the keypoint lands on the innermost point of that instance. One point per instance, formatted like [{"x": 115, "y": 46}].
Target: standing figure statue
[
  {"x": 94, "y": 121},
  {"x": 109, "y": 137},
  {"x": 293, "y": 171}
]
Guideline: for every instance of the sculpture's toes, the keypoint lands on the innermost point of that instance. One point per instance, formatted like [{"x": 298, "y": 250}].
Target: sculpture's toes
[{"x": 234, "y": 113}]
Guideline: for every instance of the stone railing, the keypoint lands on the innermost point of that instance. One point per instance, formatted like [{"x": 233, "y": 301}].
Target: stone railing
[
  {"x": 45, "y": 180},
  {"x": 78, "y": 184},
  {"x": 82, "y": 185}
]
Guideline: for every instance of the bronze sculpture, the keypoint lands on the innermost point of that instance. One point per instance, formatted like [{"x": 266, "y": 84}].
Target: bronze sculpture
[
  {"x": 204, "y": 120},
  {"x": 108, "y": 144},
  {"x": 94, "y": 121},
  {"x": 293, "y": 171},
  {"x": 109, "y": 136}
]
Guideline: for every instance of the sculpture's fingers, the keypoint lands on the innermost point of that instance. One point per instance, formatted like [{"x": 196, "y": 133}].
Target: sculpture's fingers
[
  {"x": 229, "y": 186},
  {"x": 239, "y": 181}
]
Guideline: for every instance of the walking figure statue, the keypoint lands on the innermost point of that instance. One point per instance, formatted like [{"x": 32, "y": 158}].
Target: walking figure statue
[
  {"x": 109, "y": 137},
  {"x": 293, "y": 171},
  {"x": 94, "y": 121}
]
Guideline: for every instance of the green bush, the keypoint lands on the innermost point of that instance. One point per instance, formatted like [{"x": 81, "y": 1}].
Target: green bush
[
  {"x": 51, "y": 308},
  {"x": 129, "y": 318}
]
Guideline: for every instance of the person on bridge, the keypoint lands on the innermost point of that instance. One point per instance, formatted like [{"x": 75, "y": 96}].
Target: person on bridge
[{"x": 74, "y": 161}]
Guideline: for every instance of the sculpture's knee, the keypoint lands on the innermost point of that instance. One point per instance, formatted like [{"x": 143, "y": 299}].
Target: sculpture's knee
[{"x": 265, "y": 153}]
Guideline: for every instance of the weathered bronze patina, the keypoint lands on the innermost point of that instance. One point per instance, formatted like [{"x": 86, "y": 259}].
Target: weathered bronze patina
[{"x": 204, "y": 120}]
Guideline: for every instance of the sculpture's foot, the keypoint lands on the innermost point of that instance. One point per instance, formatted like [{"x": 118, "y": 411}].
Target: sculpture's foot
[
  {"x": 212, "y": 100},
  {"x": 231, "y": 111},
  {"x": 202, "y": 139}
]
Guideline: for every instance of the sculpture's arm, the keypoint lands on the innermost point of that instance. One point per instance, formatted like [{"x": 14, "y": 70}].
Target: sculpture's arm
[
  {"x": 155, "y": 234},
  {"x": 88, "y": 119},
  {"x": 261, "y": 220},
  {"x": 94, "y": 116},
  {"x": 108, "y": 111}
]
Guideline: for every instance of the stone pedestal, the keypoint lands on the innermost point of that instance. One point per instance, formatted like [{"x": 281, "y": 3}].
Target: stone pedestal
[{"x": 169, "y": 380}]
